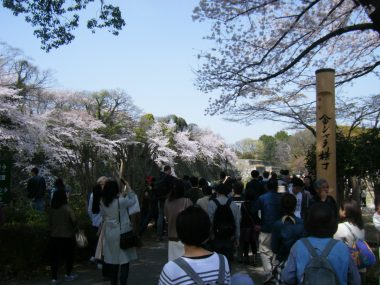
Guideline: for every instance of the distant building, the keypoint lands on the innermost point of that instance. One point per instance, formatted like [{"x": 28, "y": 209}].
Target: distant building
[{"x": 245, "y": 166}]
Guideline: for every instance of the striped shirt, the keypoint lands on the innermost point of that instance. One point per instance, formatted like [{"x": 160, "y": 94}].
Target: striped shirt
[{"x": 207, "y": 267}]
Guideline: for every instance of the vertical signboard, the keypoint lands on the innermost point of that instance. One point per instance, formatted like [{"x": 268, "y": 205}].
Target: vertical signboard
[
  {"x": 326, "y": 133},
  {"x": 5, "y": 181}
]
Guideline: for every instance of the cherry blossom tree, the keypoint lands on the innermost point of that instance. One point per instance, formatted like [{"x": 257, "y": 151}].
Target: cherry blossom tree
[
  {"x": 55, "y": 21},
  {"x": 266, "y": 53}
]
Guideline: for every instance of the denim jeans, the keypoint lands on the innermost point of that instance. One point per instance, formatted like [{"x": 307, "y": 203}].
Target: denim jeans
[{"x": 38, "y": 204}]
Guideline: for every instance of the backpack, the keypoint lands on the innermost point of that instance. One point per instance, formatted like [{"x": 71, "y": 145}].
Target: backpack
[
  {"x": 195, "y": 277},
  {"x": 361, "y": 253},
  {"x": 224, "y": 221},
  {"x": 319, "y": 270}
]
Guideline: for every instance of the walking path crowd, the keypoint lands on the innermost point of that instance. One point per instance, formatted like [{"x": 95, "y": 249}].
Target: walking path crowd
[{"x": 217, "y": 234}]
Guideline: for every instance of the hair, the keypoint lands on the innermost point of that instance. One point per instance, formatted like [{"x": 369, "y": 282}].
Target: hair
[
  {"x": 274, "y": 175},
  {"x": 272, "y": 184},
  {"x": 353, "y": 212},
  {"x": 321, "y": 221},
  {"x": 110, "y": 192},
  {"x": 222, "y": 175},
  {"x": 266, "y": 174},
  {"x": 377, "y": 201},
  {"x": 202, "y": 182},
  {"x": 223, "y": 189},
  {"x": 207, "y": 190},
  {"x": 193, "y": 226},
  {"x": 102, "y": 179},
  {"x": 238, "y": 187},
  {"x": 96, "y": 196},
  {"x": 59, "y": 184},
  {"x": 59, "y": 199},
  {"x": 167, "y": 168},
  {"x": 177, "y": 191},
  {"x": 318, "y": 184},
  {"x": 308, "y": 177},
  {"x": 284, "y": 172},
  {"x": 194, "y": 181},
  {"x": 297, "y": 182},
  {"x": 288, "y": 203},
  {"x": 255, "y": 174},
  {"x": 34, "y": 170}
]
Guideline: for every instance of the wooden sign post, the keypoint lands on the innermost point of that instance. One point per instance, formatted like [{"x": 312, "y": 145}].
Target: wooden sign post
[{"x": 326, "y": 128}]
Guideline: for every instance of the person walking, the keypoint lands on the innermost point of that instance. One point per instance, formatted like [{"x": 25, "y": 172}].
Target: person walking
[
  {"x": 36, "y": 190},
  {"x": 320, "y": 225},
  {"x": 113, "y": 208},
  {"x": 193, "y": 228},
  {"x": 351, "y": 227},
  {"x": 175, "y": 204},
  {"x": 63, "y": 226}
]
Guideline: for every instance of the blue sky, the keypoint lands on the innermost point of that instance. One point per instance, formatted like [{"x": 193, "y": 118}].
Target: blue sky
[{"x": 153, "y": 59}]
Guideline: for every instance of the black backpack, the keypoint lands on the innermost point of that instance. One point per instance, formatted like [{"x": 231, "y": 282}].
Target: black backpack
[{"x": 224, "y": 221}]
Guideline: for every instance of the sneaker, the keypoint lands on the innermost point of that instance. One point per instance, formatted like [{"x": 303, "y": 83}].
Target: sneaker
[
  {"x": 92, "y": 259},
  {"x": 54, "y": 282},
  {"x": 71, "y": 277},
  {"x": 100, "y": 266}
]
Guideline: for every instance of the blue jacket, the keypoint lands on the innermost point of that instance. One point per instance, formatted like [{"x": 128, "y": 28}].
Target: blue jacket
[
  {"x": 339, "y": 258},
  {"x": 269, "y": 204},
  {"x": 286, "y": 231}
]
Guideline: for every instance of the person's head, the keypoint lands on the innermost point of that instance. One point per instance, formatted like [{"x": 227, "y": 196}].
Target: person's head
[
  {"x": 266, "y": 174},
  {"x": 194, "y": 181},
  {"x": 110, "y": 192},
  {"x": 321, "y": 221},
  {"x": 34, "y": 171},
  {"x": 193, "y": 226},
  {"x": 272, "y": 185},
  {"x": 288, "y": 204},
  {"x": 241, "y": 278},
  {"x": 307, "y": 180},
  {"x": 255, "y": 174},
  {"x": 167, "y": 169},
  {"x": 59, "y": 199},
  {"x": 222, "y": 176},
  {"x": 377, "y": 202},
  {"x": 149, "y": 180},
  {"x": 102, "y": 181},
  {"x": 238, "y": 187},
  {"x": 58, "y": 184},
  {"x": 285, "y": 175},
  {"x": 202, "y": 182},
  {"x": 223, "y": 189},
  {"x": 321, "y": 186},
  {"x": 350, "y": 211},
  {"x": 298, "y": 185},
  {"x": 274, "y": 175},
  {"x": 178, "y": 190},
  {"x": 207, "y": 190}
]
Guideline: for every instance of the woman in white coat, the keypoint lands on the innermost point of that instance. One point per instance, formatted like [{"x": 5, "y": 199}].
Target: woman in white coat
[
  {"x": 113, "y": 224},
  {"x": 351, "y": 227}
]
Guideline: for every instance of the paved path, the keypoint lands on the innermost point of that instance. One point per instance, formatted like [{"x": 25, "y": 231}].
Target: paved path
[{"x": 144, "y": 271}]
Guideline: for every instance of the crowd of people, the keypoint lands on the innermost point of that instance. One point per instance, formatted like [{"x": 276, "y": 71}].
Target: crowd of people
[{"x": 286, "y": 221}]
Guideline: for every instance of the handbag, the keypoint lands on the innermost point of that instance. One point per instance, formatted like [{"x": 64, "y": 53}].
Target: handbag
[
  {"x": 361, "y": 253},
  {"x": 81, "y": 239},
  {"x": 128, "y": 239}
]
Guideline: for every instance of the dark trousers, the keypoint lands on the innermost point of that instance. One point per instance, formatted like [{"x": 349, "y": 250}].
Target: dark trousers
[
  {"x": 224, "y": 246},
  {"x": 61, "y": 250},
  {"x": 113, "y": 272}
]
